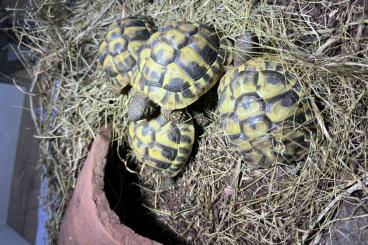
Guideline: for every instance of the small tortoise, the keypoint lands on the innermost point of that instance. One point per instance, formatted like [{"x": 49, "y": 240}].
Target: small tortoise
[
  {"x": 121, "y": 45},
  {"x": 178, "y": 64},
  {"x": 161, "y": 144},
  {"x": 263, "y": 112}
]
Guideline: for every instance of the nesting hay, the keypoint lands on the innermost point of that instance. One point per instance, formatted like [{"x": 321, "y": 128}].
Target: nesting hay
[{"x": 217, "y": 200}]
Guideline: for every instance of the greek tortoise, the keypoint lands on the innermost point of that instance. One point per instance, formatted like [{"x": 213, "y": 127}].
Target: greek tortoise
[
  {"x": 263, "y": 112},
  {"x": 161, "y": 144},
  {"x": 118, "y": 52},
  {"x": 178, "y": 64}
]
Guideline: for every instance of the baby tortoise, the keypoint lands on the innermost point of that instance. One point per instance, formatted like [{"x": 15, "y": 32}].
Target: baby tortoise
[
  {"x": 118, "y": 52},
  {"x": 176, "y": 67},
  {"x": 262, "y": 112},
  {"x": 161, "y": 144}
]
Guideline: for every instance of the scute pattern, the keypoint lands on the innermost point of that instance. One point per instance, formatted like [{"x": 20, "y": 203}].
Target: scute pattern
[
  {"x": 161, "y": 144},
  {"x": 262, "y": 111},
  {"x": 120, "y": 46},
  {"x": 179, "y": 64}
]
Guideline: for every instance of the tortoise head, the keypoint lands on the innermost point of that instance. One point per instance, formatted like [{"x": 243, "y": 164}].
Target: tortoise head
[{"x": 141, "y": 107}]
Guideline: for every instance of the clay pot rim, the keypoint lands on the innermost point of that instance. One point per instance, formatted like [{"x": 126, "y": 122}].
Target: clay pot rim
[{"x": 89, "y": 218}]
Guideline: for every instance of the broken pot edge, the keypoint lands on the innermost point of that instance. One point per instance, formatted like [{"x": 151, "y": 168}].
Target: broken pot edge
[{"x": 89, "y": 218}]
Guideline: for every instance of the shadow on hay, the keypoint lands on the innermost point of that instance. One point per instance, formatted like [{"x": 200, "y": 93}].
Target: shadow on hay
[{"x": 125, "y": 200}]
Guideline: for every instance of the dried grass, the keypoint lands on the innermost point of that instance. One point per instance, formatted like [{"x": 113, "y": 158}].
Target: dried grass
[{"x": 217, "y": 200}]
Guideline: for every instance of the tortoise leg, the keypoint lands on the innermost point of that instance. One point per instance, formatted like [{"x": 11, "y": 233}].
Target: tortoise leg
[
  {"x": 200, "y": 118},
  {"x": 140, "y": 107},
  {"x": 177, "y": 116}
]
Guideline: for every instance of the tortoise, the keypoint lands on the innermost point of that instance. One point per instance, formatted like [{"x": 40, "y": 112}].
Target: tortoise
[
  {"x": 178, "y": 64},
  {"x": 263, "y": 112},
  {"x": 161, "y": 144},
  {"x": 118, "y": 52}
]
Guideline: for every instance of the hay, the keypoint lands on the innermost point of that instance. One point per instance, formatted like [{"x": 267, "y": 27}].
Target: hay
[{"x": 217, "y": 200}]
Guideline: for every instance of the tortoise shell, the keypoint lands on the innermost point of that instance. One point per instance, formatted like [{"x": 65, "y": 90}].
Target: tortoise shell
[
  {"x": 119, "y": 49},
  {"x": 179, "y": 64},
  {"x": 161, "y": 144},
  {"x": 263, "y": 112}
]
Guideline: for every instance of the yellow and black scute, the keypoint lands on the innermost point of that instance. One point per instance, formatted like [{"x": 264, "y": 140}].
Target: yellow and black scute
[
  {"x": 161, "y": 144},
  {"x": 179, "y": 64},
  {"x": 118, "y": 52},
  {"x": 264, "y": 112}
]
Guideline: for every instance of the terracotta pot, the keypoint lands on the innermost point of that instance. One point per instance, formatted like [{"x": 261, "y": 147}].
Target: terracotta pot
[{"x": 88, "y": 218}]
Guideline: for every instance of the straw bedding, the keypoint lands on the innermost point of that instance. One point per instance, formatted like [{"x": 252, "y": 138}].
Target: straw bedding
[{"x": 217, "y": 199}]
